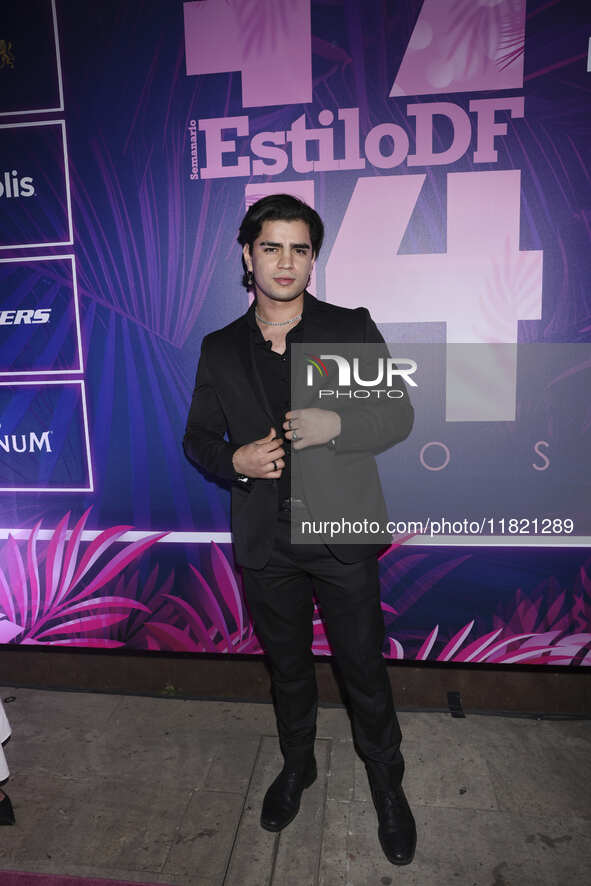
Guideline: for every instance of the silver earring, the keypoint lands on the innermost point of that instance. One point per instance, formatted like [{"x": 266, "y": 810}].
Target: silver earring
[{"x": 249, "y": 278}]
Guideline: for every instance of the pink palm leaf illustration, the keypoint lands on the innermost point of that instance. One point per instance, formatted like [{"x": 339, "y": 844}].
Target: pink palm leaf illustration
[
  {"x": 151, "y": 594},
  {"x": 213, "y": 620},
  {"x": 537, "y": 632},
  {"x": 529, "y": 648},
  {"x": 58, "y": 604}
]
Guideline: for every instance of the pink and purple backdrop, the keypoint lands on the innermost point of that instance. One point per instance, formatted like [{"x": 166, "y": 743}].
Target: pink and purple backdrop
[{"x": 445, "y": 144}]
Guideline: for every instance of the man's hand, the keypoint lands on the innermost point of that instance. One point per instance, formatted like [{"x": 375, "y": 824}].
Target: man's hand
[
  {"x": 311, "y": 427},
  {"x": 262, "y": 458}
]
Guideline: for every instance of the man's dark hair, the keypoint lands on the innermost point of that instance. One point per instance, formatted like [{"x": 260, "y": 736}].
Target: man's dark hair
[{"x": 280, "y": 207}]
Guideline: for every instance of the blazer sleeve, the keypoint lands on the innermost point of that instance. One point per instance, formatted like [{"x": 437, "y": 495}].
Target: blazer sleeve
[
  {"x": 204, "y": 442},
  {"x": 376, "y": 425}
]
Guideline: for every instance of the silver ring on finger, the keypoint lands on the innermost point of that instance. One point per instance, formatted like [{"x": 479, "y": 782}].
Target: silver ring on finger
[
  {"x": 289, "y": 424},
  {"x": 294, "y": 435}
]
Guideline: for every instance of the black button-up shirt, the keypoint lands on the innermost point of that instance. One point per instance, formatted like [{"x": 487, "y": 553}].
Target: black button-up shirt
[{"x": 274, "y": 372}]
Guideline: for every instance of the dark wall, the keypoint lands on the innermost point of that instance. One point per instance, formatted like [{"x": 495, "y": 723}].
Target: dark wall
[{"x": 520, "y": 690}]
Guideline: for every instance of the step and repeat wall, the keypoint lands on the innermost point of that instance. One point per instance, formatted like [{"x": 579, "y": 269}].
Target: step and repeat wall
[{"x": 445, "y": 144}]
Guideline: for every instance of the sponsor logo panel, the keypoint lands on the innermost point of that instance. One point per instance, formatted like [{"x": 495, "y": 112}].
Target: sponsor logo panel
[
  {"x": 39, "y": 317},
  {"x": 30, "y": 69},
  {"x": 34, "y": 187},
  {"x": 44, "y": 442}
]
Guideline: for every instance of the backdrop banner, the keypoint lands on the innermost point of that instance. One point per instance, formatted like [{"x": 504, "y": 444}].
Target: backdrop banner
[{"x": 445, "y": 143}]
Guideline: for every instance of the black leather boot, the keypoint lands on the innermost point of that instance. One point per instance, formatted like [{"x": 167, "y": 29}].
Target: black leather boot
[
  {"x": 282, "y": 800},
  {"x": 397, "y": 831}
]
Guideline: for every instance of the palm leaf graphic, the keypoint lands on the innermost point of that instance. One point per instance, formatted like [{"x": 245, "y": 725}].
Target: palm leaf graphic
[
  {"x": 218, "y": 621},
  {"x": 548, "y": 626},
  {"x": 50, "y": 605}
]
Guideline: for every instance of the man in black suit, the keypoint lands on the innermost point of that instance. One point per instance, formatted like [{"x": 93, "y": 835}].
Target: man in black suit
[{"x": 240, "y": 407}]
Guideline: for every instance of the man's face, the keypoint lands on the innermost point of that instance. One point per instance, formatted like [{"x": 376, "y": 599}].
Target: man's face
[{"x": 281, "y": 259}]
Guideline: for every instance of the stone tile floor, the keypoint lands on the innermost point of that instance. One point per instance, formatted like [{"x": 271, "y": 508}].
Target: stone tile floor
[{"x": 169, "y": 791}]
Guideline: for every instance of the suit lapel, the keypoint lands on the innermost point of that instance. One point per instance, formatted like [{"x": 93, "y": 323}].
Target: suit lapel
[
  {"x": 315, "y": 319},
  {"x": 317, "y": 330}
]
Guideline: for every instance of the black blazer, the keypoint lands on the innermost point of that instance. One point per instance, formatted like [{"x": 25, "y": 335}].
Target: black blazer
[{"x": 229, "y": 402}]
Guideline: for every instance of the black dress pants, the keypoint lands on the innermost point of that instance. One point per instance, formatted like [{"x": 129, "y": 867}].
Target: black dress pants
[{"x": 280, "y": 599}]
